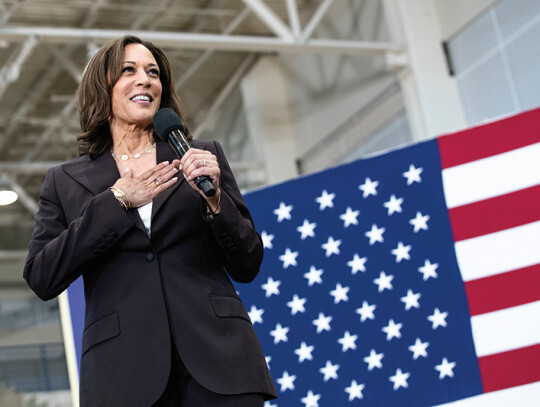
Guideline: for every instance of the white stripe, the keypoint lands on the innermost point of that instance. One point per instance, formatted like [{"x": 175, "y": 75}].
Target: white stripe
[
  {"x": 492, "y": 176},
  {"x": 498, "y": 252},
  {"x": 507, "y": 329},
  {"x": 521, "y": 396}
]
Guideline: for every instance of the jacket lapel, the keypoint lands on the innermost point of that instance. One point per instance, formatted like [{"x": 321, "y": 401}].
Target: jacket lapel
[
  {"x": 97, "y": 176},
  {"x": 164, "y": 152}
]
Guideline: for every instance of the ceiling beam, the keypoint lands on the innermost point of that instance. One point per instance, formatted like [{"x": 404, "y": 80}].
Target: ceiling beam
[
  {"x": 315, "y": 20},
  {"x": 294, "y": 20},
  {"x": 180, "y": 40},
  {"x": 270, "y": 19}
]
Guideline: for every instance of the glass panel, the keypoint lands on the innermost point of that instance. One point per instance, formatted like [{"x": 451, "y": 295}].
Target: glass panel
[
  {"x": 485, "y": 91},
  {"x": 524, "y": 59},
  {"x": 473, "y": 42},
  {"x": 33, "y": 369},
  {"x": 514, "y": 14}
]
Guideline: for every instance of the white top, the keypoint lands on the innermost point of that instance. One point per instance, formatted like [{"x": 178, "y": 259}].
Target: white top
[{"x": 145, "y": 212}]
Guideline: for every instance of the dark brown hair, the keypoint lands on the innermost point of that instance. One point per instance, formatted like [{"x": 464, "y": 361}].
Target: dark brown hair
[{"x": 95, "y": 90}]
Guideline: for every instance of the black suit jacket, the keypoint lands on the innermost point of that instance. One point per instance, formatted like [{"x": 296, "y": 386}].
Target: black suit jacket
[{"x": 139, "y": 290}]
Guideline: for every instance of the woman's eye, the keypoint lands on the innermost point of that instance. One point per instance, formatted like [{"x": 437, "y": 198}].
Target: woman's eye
[
  {"x": 127, "y": 69},
  {"x": 153, "y": 72}
]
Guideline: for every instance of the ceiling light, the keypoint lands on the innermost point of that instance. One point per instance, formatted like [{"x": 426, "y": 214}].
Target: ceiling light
[{"x": 8, "y": 197}]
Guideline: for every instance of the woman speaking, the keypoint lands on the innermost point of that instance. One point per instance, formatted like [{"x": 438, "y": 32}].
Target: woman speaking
[{"x": 163, "y": 324}]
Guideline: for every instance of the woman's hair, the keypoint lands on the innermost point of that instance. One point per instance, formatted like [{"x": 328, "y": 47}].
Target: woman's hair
[{"x": 95, "y": 90}]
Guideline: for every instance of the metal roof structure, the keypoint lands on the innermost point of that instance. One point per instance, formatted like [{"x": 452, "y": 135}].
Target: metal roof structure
[{"x": 45, "y": 44}]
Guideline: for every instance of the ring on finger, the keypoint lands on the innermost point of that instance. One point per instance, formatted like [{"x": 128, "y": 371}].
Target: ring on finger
[
  {"x": 203, "y": 162},
  {"x": 155, "y": 181}
]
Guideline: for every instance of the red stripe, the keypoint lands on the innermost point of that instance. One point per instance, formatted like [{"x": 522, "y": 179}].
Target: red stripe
[
  {"x": 490, "y": 139},
  {"x": 505, "y": 290},
  {"x": 509, "y": 369},
  {"x": 494, "y": 214}
]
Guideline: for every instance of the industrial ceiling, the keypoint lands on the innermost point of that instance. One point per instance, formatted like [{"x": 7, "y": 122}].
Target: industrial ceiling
[{"x": 45, "y": 44}]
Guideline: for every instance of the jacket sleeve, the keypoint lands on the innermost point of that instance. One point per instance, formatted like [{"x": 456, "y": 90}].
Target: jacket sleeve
[
  {"x": 233, "y": 228},
  {"x": 59, "y": 252}
]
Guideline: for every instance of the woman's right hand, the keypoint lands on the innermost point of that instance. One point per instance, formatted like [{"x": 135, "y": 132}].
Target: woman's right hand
[{"x": 141, "y": 189}]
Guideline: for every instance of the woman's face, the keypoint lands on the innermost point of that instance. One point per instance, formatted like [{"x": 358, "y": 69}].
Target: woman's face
[{"x": 136, "y": 96}]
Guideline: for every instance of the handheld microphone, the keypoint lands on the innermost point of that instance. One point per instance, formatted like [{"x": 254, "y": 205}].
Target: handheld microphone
[{"x": 169, "y": 127}]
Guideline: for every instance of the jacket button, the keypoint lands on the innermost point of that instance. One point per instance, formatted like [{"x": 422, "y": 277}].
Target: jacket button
[
  {"x": 149, "y": 256},
  {"x": 102, "y": 246},
  {"x": 114, "y": 235}
]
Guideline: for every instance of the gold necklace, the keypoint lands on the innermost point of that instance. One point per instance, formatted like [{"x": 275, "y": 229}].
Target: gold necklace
[{"x": 125, "y": 157}]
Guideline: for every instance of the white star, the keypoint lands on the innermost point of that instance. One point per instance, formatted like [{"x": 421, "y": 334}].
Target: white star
[
  {"x": 419, "y": 222},
  {"x": 322, "y": 323},
  {"x": 399, "y": 379},
  {"x": 392, "y": 330},
  {"x": 267, "y": 240},
  {"x": 411, "y": 300},
  {"x": 402, "y": 252},
  {"x": 268, "y": 359},
  {"x": 286, "y": 382},
  {"x": 331, "y": 246},
  {"x": 329, "y": 371},
  {"x": 325, "y": 200},
  {"x": 355, "y": 391},
  {"x": 419, "y": 349},
  {"x": 314, "y": 276},
  {"x": 269, "y": 404},
  {"x": 384, "y": 281},
  {"x": 357, "y": 264},
  {"x": 375, "y": 235},
  {"x": 369, "y": 187},
  {"x": 280, "y": 334},
  {"x": 366, "y": 312},
  {"x": 297, "y": 305},
  {"x": 438, "y": 318},
  {"x": 311, "y": 400},
  {"x": 283, "y": 212},
  {"x": 340, "y": 293},
  {"x": 413, "y": 174},
  {"x": 255, "y": 315},
  {"x": 374, "y": 360},
  {"x": 288, "y": 258},
  {"x": 445, "y": 369},
  {"x": 307, "y": 229},
  {"x": 271, "y": 287},
  {"x": 348, "y": 341},
  {"x": 304, "y": 352},
  {"x": 393, "y": 205},
  {"x": 349, "y": 217},
  {"x": 428, "y": 270}
]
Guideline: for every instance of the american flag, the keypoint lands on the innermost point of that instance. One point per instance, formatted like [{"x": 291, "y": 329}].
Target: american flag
[{"x": 407, "y": 279}]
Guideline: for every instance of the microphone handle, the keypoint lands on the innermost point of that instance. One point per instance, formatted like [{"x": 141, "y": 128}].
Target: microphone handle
[{"x": 179, "y": 143}]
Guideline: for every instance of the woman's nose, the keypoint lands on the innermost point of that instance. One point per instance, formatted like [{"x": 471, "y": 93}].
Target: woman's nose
[{"x": 142, "y": 78}]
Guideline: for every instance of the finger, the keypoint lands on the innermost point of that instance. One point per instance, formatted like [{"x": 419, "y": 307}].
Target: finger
[
  {"x": 151, "y": 174},
  {"x": 127, "y": 173},
  {"x": 164, "y": 186}
]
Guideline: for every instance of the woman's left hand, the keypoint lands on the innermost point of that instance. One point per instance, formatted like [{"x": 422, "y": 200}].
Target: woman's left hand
[{"x": 200, "y": 162}]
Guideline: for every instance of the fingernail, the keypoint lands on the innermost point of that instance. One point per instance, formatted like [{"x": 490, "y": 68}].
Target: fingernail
[
  {"x": 175, "y": 179},
  {"x": 127, "y": 169},
  {"x": 165, "y": 162},
  {"x": 180, "y": 167}
]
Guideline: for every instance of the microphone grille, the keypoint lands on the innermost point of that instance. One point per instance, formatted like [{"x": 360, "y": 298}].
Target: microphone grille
[{"x": 165, "y": 121}]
